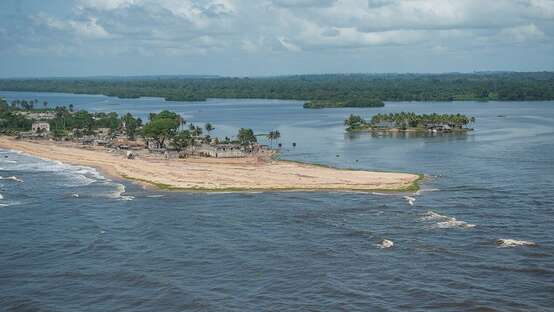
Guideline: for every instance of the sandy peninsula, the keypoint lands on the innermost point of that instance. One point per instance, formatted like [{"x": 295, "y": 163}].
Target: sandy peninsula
[{"x": 215, "y": 174}]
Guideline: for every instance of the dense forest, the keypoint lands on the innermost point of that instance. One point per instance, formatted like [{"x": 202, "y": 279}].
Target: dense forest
[{"x": 503, "y": 86}]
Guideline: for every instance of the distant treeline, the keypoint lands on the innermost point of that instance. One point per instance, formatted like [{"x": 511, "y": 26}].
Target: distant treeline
[
  {"x": 360, "y": 102},
  {"x": 502, "y": 86}
]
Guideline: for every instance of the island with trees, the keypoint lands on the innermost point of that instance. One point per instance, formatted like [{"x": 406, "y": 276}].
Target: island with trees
[
  {"x": 172, "y": 153},
  {"x": 410, "y": 122}
]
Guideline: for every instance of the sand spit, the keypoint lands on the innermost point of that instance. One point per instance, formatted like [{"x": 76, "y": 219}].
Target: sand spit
[{"x": 213, "y": 174}]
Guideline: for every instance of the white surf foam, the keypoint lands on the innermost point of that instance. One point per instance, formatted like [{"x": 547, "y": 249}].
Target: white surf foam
[
  {"x": 118, "y": 193},
  {"x": 410, "y": 200},
  {"x": 73, "y": 175},
  {"x": 445, "y": 222},
  {"x": 382, "y": 194},
  {"x": 419, "y": 192},
  {"x": 13, "y": 178},
  {"x": 507, "y": 243},
  {"x": 385, "y": 243}
]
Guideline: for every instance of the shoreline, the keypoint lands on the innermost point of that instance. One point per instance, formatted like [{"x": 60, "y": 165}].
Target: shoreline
[{"x": 250, "y": 174}]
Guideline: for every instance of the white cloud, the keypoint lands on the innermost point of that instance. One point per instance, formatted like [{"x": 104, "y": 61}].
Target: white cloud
[
  {"x": 520, "y": 34},
  {"x": 289, "y": 45},
  {"x": 107, "y": 4},
  {"x": 88, "y": 28},
  {"x": 304, "y": 3},
  {"x": 262, "y": 26}
]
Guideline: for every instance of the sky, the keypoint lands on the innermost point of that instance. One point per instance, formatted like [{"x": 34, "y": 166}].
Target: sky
[{"x": 54, "y": 38}]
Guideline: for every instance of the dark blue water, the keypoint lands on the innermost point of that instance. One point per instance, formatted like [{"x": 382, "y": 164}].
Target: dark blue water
[{"x": 72, "y": 240}]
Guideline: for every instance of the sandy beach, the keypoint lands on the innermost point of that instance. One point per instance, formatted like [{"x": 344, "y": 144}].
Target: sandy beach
[{"x": 214, "y": 174}]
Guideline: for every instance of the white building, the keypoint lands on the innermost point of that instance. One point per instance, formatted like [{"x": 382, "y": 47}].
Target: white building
[{"x": 40, "y": 127}]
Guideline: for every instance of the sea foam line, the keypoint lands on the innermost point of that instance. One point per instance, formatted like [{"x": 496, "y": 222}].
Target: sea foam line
[
  {"x": 506, "y": 243},
  {"x": 445, "y": 222},
  {"x": 13, "y": 178}
]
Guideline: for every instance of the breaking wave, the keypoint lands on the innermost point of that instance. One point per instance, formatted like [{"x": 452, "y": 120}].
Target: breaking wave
[
  {"x": 118, "y": 193},
  {"x": 13, "y": 178},
  {"x": 410, "y": 200},
  {"x": 72, "y": 175},
  {"x": 419, "y": 192},
  {"x": 444, "y": 222},
  {"x": 385, "y": 244},
  {"x": 507, "y": 243}
]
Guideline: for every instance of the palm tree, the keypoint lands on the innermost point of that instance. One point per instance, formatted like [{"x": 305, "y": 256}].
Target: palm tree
[
  {"x": 182, "y": 122},
  {"x": 276, "y": 136},
  {"x": 209, "y": 128},
  {"x": 270, "y": 137}
]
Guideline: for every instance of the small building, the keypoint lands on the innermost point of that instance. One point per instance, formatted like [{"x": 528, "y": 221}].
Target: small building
[
  {"x": 103, "y": 132},
  {"x": 87, "y": 140},
  {"x": 385, "y": 125},
  {"x": 438, "y": 127},
  {"x": 223, "y": 150},
  {"x": 40, "y": 127}
]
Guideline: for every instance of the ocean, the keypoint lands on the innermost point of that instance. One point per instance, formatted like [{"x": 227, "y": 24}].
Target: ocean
[{"x": 72, "y": 239}]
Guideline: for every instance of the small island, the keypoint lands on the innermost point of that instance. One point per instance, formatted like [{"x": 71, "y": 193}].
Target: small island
[
  {"x": 172, "y": 154},
  {"x": 410, "y": 122},
  {"x": 316, "y": 104}
]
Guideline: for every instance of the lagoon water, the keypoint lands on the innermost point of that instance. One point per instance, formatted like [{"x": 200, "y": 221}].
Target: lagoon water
[{"x": 73, "y": 240}]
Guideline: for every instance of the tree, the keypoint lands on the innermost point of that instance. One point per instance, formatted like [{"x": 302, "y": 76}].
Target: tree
[
  {"x": 45, "y": 104},
  {"x": 246, "y": 136},
  {"x": 109, "y": 120},
  {"x": 160, "y": 129},
  {"x": 209, "y": 128},
  {"x": 197, "y": 131},
  {"x": 182, "y": 140},
  {"x": 183, "y": 121},
  {"x": 273, "y": 135},
  {"x": 130, "y": 125},
  {"x": 353, "y": 121}
]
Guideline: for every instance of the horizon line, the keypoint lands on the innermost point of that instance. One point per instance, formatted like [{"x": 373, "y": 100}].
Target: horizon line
[{"x": 212, "y": 76}]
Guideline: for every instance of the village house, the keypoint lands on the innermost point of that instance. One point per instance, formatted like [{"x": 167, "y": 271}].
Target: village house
[
  {"x": 103, "y": 132},
  {"x": 39, "y": 130},
  {"x": 222, "y": 150},
  {"x": 40, "y": 127},
  {"x": 438, "y": 127}
]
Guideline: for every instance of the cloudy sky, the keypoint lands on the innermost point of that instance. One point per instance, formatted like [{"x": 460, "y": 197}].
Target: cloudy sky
[{"x": 272, "y": 37}]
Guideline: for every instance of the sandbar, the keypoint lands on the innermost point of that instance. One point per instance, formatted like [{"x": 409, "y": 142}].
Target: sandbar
[{"x": 216, "y": 174}]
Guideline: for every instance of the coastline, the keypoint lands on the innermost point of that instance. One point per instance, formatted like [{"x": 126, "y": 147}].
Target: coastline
[{"x": 218, "y": 174}]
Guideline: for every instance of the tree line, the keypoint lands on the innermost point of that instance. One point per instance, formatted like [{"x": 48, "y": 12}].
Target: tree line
[
  {"x": 166, "y": 129},
  {"x": 353, "y": 89}
]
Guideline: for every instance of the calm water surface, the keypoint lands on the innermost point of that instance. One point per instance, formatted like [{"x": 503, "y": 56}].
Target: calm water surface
[{"x": 72, "y": 240}]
